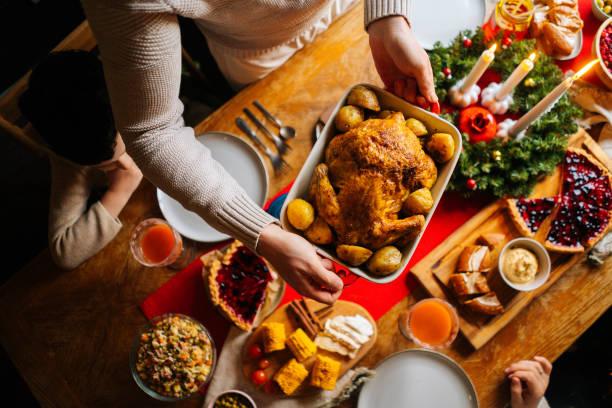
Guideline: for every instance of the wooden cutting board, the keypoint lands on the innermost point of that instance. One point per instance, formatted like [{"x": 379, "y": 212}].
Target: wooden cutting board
[
  {"x": 434, "y": 269},
  {"x": 279, "y": 358}
]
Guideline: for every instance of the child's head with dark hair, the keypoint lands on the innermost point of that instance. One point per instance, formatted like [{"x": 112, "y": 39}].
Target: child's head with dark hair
[{"x": 67, "y": 103}]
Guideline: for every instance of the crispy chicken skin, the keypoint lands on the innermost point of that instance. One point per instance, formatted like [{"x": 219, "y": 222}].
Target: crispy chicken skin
[{"x": 368, "y": 173}]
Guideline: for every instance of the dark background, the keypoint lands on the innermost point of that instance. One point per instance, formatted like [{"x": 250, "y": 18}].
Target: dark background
[{"x": 28, "y": 31}]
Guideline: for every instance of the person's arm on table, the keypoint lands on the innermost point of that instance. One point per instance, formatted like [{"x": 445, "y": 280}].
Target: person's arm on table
[
  {"x": 76, "y": 233},
  {"x": 123, "y": 181},
  {"x": 141, "y": 51},
  {"x": 401, "y": 62}
]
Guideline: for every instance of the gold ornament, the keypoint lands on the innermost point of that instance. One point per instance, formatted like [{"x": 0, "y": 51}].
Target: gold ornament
[
  {"x": 530, "y": 83},
  {"x": 496, "y": 155}
]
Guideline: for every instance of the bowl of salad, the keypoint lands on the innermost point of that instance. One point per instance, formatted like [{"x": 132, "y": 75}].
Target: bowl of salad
[
  {"x": 173, "y": 357},
  {"x": 602, "y": 9},
  {"x": 602, "y": 48}
]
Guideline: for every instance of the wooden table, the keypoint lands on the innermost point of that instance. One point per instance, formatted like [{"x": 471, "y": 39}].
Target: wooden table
[{"x": 69, "y": 333}]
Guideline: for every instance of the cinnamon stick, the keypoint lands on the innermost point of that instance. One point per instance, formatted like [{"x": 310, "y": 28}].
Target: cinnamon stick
[
  {"x": 303, "y": 319},
  {"x": 311, "y": 314}
]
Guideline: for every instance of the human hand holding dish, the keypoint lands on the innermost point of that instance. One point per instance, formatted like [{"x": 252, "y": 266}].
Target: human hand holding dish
[
  {"x": 297, "y": 262},
  {"x": 402, "y": 63}
]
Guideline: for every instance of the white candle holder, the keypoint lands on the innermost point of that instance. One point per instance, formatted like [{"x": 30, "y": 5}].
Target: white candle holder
[
  {"x": 489, "y": 101},
  {"x": 460, "y": 98},
  {"x": 503, "y": 129}
]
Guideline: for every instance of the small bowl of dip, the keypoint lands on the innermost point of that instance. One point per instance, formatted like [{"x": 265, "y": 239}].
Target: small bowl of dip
[{"x": 524, "y": 264}]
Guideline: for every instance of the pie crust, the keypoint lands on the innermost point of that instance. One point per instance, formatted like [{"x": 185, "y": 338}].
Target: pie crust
[{"x": 246, "y": 274}]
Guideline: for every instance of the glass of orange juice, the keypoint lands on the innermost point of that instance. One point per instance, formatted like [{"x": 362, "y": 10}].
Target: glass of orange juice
[
  {"x": 431, "y": 323},
  {"x": 155, "y": 243}
]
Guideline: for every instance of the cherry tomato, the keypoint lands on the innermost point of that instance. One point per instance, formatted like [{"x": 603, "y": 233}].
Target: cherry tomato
[
  {"x": 263, "y": 363},
  {"x": 259, "y": 377},
  {"x": 255, "y": 351}
]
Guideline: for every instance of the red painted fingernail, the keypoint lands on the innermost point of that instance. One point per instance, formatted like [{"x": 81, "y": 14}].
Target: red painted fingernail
[{"x": 435, "y": 108}]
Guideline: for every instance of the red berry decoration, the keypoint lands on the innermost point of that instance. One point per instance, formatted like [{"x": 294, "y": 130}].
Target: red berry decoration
[
  {"x": 478, "y": 123},
  {"x": 471, "y": 184},
  {"x": 447, "y": 71},
  {"x": 506, "y": 42},
  {"x": 255, "y": 351},
  {"x": 263, "y": 363},
  {"x": 467, "y": 42},
  {"x": 259, "y": 377}
]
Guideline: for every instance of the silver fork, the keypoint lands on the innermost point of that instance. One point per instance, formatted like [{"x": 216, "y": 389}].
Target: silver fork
[
  {"x": 281, "y": 146},
  {"x": 277, "y": 161}
]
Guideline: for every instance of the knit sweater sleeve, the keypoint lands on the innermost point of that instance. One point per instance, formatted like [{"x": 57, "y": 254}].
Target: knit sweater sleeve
[
  {"x": 141, "y": 51},
  {"x": 377, "y": 9},
  {"x": 76, "y": 233}
]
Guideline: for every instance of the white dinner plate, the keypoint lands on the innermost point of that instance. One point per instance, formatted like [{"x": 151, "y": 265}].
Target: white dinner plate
[
  {"x": 442, "y": 20},
  {"x": 418, "y": 378},
  {"x": 242, "y": 162}
]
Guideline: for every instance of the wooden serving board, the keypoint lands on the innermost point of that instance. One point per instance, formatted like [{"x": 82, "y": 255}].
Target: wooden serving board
[
  {"x": 279, "y": 358},
  {"x": 434, "y": 270}
]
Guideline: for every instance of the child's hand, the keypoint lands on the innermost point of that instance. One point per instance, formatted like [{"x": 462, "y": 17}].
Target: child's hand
[
  {"x": 528, "y": 381},
  {"x": 126, "y": 177},
  {"x": 400, "y": 60}
]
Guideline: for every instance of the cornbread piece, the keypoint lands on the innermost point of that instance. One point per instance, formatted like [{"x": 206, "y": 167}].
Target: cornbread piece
[
  {"x": 325, "y": 372},
  {"x": 290, "y": 376},
  {"x": 300, "y": 345},
  {"x": 273, "y": 336}
]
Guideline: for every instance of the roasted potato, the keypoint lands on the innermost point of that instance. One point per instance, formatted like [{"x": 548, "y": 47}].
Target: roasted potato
[
  {"x": 300, "y": 214},
  {"x": 441, "y": 146},
  {"x": 385, "y": 261},
  {"x": 352, "y": 254},
  {"x": 386, "y": 113},
  {"x": 319, "y": 232},
  {"x": 348, "y": 117},
  {"x": 417, "y": 127},
  {"x": 418, "y": 202},
  {"x": 363, "y": 97}
]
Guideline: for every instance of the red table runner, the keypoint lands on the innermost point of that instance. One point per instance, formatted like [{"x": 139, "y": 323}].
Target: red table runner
[{"x": 185, "y": 292}]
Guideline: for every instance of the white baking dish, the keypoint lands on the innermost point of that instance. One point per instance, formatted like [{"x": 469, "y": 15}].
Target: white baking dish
[{"x": 387, "y": 101}]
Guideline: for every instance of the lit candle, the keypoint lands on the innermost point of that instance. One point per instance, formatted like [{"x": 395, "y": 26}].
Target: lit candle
[
  {"x": 486, "y": 58},
  {"x": 516, "y": 77},
  {"x": 548, "y": 101}
]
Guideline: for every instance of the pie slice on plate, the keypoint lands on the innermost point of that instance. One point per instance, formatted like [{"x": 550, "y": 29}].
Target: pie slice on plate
[
  {"x": 238, "y": 281},
  {"x": 528, "y": 214}
]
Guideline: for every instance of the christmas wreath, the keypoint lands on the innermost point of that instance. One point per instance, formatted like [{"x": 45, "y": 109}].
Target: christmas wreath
[{"x": 506, "y": 167}]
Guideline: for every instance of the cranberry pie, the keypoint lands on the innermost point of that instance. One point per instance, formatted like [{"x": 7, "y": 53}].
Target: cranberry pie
[
  {"x": 529, "y": 213},
  {"x": 238, "y": 281},
  {"x": 580, "y": 215}
]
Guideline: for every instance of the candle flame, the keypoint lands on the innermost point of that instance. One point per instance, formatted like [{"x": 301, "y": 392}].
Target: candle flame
[
  {"x": 585, "y": 69},
  {"x": 532, "y": 56},
  {"x": 493, "y": 47}
]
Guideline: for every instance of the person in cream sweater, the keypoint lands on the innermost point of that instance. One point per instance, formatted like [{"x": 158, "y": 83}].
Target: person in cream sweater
[{"x": 140, "y": 46}]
